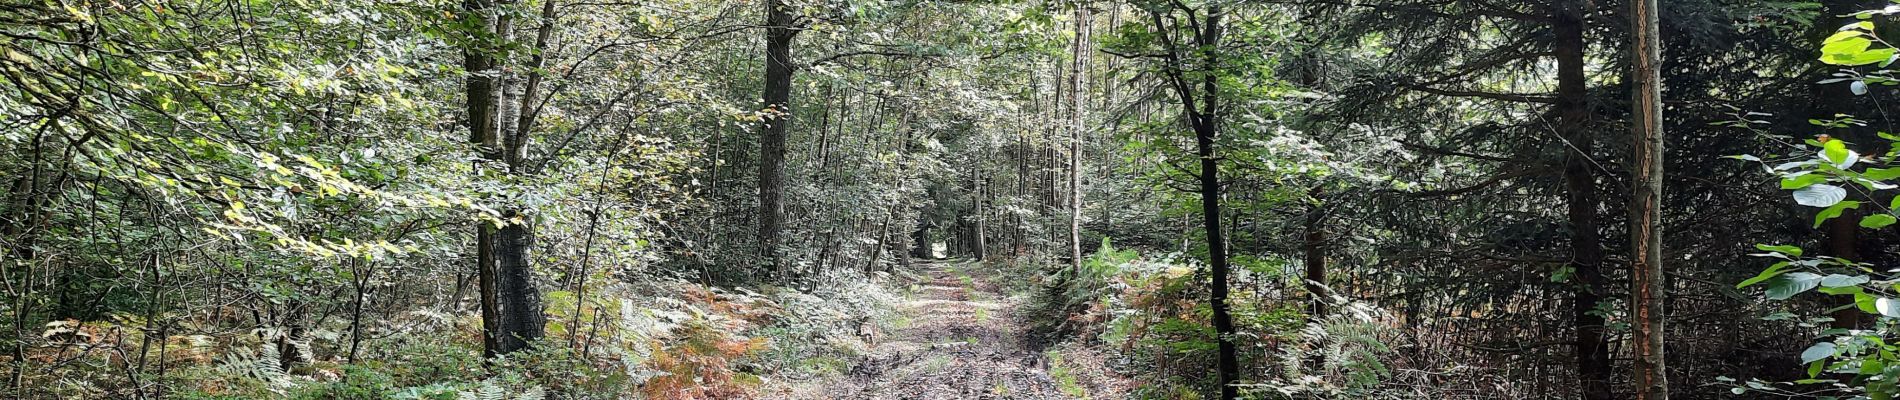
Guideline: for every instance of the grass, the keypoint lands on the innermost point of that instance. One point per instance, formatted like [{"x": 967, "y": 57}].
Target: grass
[
  {"x": 982, "y": 315},
  {"x": 899, "y": 320},
  {"x": 825, "y": 365},
  {"x": 937, "y": 363},
  {"x": 1065, "y": 379},
  {"x": 969, "y": 286}
]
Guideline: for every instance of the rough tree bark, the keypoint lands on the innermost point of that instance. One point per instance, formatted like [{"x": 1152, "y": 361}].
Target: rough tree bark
[
  {"x": 1646, "y": 172},
  {"x": 511, "y": 304},
  {"x": 779, "y": 31},
  {"x": 1315, "y": 257},
  {"x": 484, "y": 105},
  {"x": 520, "y": 302},
  {"x": 1586, "y": 243}
]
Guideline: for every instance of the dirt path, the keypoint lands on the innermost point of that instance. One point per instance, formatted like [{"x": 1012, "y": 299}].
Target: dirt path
[{"x": 961, "y": 342}]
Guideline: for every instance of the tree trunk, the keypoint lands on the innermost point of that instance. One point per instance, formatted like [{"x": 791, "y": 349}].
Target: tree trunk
[
  {"x": 1205, "y": 120},
  {"x": 1228, "y": 363},
  {"x": 482, "y": 87},
  {"x": 484, "y": 105},
  {"x": 982, "y": 219},
  {"x": 1316, "y": 257},
  {"x": 778, "y": 107},
  {"x": 1019, "y": 235},
  {"x": 511, "y": 305},
  {"x": 901, "y": 248},
  {"x": 1842, "y": 233},
  {"x": 1228, "y": 367},
  {"x": 520, "y": 309},
  {"x": 920, "y": 240},
  {"x": 1078, "y": 120},
  {"x": 1049, "y": 173},
  {"x": 1646, "y": 278},
  {"x": 1586, "y": 243},
  {"x": 883, "y": 236}
]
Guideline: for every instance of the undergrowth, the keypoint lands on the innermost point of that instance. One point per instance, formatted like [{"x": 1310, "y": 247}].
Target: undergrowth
[
  {"x": 1148, "y": 315},
  {"x": 659, "y": 339}
]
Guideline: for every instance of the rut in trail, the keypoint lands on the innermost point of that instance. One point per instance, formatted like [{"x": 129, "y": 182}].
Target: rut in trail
[{"x": 963, "y": 341}]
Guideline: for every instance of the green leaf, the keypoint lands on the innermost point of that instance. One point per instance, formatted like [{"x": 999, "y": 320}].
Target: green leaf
[
  {"x": 1783, "y": 249},
  {"x": 1881, "y": 174},
  {"x": 1840, "y": 290},
  {"x": 1788, "y": 285},
  {"x": 1877, "y": 221},
  {"x": 1817, "y": 352},
  {"x": 1834, "y": 211},
  {"x": 1770, "y": 273},
  {"x": 1845, "y": 46},
  {"x": 1887, "y": 306},
  {"x": 1873, "y": 56},
  {"x": 1839, "y": 280},
  {"x": 1802, "y": 181},
  {"x": 1843, "y": 35},
  {"x": 1853, "y": 51},
  {"x": 1872, "y": 366},
  {"x": 1835, "y": 151}
]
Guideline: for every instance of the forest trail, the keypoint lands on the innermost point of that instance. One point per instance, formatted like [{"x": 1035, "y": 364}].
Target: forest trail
[{"x": 962, "y": 341}]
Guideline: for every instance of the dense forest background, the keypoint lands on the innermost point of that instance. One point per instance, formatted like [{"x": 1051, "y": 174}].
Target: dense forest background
[{"x": 695, "y": 199}]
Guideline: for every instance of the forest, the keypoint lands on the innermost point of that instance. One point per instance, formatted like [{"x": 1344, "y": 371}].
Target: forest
[{"x": 949, "y": 199}]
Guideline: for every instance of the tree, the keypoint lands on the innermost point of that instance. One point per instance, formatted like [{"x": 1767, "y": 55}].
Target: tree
[
  {"x": 1580, "y": 187},
  {"x": 1452, "y": 68},
  {"x": 484, "y": 125},
  {"x": 1078, "y": 120},
  {"x": 1314, "y": 252},
  {"x": 1192, "y": 70},
  {"x": 779, "y": 30},
  {"x": 511, "y": 304},
  {"x": 1647, "y": 289}
]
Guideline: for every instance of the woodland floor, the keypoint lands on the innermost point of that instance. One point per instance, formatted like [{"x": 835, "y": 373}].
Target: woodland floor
[{"x": 963, "y": 341}]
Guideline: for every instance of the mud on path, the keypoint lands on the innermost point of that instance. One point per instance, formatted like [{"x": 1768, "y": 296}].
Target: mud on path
[{"x": 962, "y": 341}]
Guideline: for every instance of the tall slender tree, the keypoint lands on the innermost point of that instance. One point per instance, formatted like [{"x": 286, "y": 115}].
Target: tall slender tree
[
  {"x": 1078, "y": 120},
  {"x": 1192, "y": 66},
  {"x": 483, "y": 90},
  {"x": 1580, "y": 195},
  {"x": 1646, "y": 172}
]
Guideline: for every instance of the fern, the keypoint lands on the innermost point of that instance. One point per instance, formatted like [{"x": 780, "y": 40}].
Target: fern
[
  {"x": 1354, "y": 345},
  {"x": 491, "y": 390},
  {"x": 263, "y": 365},
  {"x": 485, "y": 391}
]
